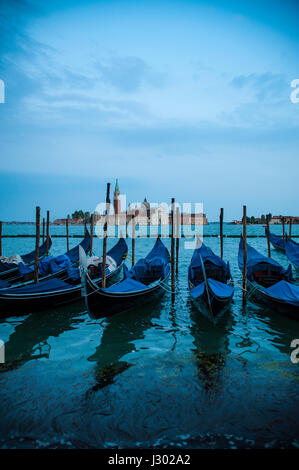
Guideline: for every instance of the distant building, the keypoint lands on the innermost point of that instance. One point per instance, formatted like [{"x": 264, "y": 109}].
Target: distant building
[
  {"x": 277, "y": 219},
  {"x": 116, "y": 199},
  {"x": 144, "y": 213}
]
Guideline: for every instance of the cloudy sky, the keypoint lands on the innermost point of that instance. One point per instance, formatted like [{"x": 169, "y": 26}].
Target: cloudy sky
[{"x": 175, "y": 98}]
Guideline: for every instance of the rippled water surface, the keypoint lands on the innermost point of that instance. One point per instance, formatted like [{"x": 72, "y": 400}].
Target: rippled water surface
[{"x": 158, "y": 376}]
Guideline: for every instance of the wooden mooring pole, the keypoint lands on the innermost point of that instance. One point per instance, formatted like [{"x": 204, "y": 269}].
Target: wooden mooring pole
[
  {"x": 290, "y": 229},
  {"x": 148, "y": 225},
  {"x": 37, "y": 239},
  {"x": 283, "y": 231},
  {"x": 268, "y": 235},
  {"x": 105, "y": 236},
  {"x": 172, "y": 250},
  {"x": 48, "y": 233},
  {"x": 67, "y": 233},
  {"x": 178, "y": 234},
  {"x": 44, "y": 226},
  {"x": 133, "y": 240},
  {"x": 0, "y": 238},
  {"x": 221, "y": 233},
  {"x": 244, "y": 257},
  {"x": 91, "y": 233}
]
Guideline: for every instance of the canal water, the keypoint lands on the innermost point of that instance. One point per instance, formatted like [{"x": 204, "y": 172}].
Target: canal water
[{"x": 160, "y": 376}]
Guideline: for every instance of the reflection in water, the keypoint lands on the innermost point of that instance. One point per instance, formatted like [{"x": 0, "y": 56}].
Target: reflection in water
[
  {"x": 29, "y": 339},
  {"x": 118, "y": 340},
  {"x": 211, "y": 346},
  {"x": 185, "y": 377},
  {"x": 280, "y": 330}
]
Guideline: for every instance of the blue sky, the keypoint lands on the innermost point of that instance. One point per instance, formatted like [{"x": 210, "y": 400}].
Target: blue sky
[{"x": 175, "y": 98}]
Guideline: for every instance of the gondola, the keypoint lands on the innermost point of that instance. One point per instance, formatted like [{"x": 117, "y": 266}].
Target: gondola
[
  {"x": 210, "y": 282},
  {"x": 11, "y": 270},
  {"x": 55, "y": 292},
  {"x": 48, "y": 267},
  {"x": 268, "y": 283},
  {"x": 292, "y": 252},
  {"x": 141, "y": 284},
  {"x": 277, "y": 242}
]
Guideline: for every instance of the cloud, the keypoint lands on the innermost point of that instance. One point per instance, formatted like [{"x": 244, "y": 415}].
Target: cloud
[
  {"x": 266, "y": 86},
  {"x": 128, "y": 74}
]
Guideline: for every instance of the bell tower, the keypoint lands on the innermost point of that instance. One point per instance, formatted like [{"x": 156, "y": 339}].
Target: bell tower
[{"x": 116, "y": 199}]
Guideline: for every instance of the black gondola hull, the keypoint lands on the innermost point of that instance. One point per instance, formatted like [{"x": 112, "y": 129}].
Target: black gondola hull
[
  {"x": 214, "y": 309},
  {"x": 102, "y": 304},
  {"x": 257, "y": 296},
  {"x": 20, "y": 304}
]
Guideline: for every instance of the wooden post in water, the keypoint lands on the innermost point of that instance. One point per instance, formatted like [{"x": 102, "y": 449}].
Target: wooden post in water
[
  {"x": 290, "y": 229},
  {"x": 48, "y": 232},
  {"x": 178, "y": 234},
  {"x": 37, "y": 237},
  {"x": 221, "y": 233},
  {"x": 172, "y": 250},
  {"x": 133, "y": 240},
  {"x": 0, "y": 238},
  {"x": 91, "y": 233},
  {"x": 105, "y": 236},
  {"x": 148, "y": 226},
  {"x": 44, "y": 229},
  {"x": 244, "y": 257},
  {"x": 283, "y": 222},
  {"x": 159, "y": 225},
  {"x": 268, "y": 234},
  {"x": 67, "y": 233}
]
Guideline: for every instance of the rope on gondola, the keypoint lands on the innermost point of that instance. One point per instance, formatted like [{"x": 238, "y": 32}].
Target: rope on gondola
[
  {"x": 252, "y": 292},
  {"x": 240, "y": 286},
  {"x": 168, "y": 289},
  {"x": 249, "y": 294}
]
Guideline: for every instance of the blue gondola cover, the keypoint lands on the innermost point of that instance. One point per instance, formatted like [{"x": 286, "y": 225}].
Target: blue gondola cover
[
  {"x": 73, "y": 254},
  {"x": 30, "y": 257},
  {"x": 117, "y": 251},
  {"x": 40, "y": 287},
  {"x": 155, "y": 264},
  {"x": 128, "y": 285},
  {"x": 285, "y": 291},
  {"x": 198, "y": 290},
  {"x": 256, "y": 261},
  {"x": 292, "y": 252},
  {"x": 220, "y": 289},
  {"x": 279, "y": 241},
  {"x": 205, "y": 254}
]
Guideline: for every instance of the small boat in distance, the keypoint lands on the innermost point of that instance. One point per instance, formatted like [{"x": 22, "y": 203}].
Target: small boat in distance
[
  {"x": 142, "y": 283},
  {"x": 55, "y": 292},
  {"x": 210, "y": 282},
  {"x": 268, "y": 283},
  {"x": 10, "y": 270}
]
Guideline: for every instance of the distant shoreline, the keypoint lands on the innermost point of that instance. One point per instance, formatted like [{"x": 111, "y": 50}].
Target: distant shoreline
[{"x": 82, "y": 224}]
